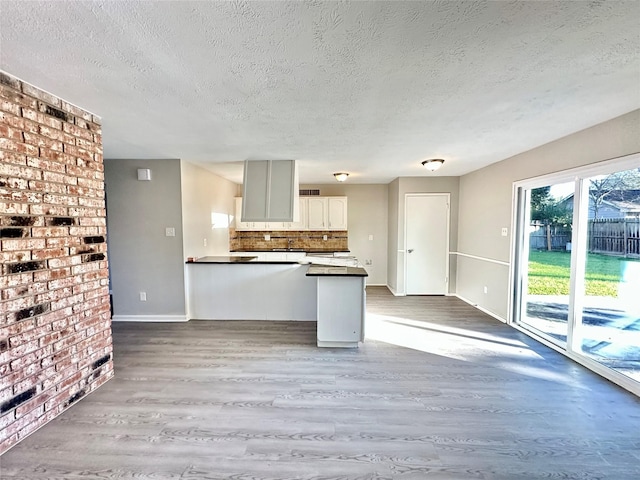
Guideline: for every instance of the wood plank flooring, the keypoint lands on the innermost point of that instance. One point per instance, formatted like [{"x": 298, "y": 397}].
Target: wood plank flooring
[{"x": 438, "y": 391}]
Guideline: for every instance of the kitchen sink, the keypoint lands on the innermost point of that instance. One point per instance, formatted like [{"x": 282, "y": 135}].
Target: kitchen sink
[{"x": 287, "y": 250}]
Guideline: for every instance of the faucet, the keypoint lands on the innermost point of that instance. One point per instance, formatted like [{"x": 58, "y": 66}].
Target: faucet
[{"x": 290, "y": 242}]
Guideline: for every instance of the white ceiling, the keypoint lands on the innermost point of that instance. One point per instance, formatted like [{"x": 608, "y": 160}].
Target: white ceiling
[{"x": 371, "y": 88}]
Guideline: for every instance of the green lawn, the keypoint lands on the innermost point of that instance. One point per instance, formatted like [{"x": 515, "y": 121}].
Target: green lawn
[{"x": 549, "y": 273}]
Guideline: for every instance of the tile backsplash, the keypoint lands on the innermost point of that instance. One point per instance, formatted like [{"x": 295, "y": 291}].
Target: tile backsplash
[{"x": 307, "y": 240}]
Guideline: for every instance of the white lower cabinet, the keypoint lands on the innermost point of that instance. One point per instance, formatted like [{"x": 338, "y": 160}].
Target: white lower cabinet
[{"x": 341, "y": 307}]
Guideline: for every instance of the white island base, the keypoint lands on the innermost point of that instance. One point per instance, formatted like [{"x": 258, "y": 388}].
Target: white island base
[
  {"x": 230, "y": 288},
  {"x": 341, "y": 307}
]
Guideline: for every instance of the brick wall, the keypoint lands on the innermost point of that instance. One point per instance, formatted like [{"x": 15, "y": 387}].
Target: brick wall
[{"x": 55, "y": 322}]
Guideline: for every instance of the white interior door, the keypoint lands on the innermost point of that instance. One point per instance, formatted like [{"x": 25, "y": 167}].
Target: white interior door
[{"x": 427, "y": 244}]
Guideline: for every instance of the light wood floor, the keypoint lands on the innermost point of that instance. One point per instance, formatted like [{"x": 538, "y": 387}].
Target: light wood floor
[{"x": 466, "y": 398}]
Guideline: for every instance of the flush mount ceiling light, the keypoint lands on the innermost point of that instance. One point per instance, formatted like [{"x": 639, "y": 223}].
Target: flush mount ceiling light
[
  {"x": 433, "y": 164},
  {"x": 341, "y": 176}
]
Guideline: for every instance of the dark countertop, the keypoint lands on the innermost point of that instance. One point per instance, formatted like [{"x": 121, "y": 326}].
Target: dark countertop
[
  {"x": 228, "y": 259},
  {"x": 312, "y": 270},
  {"x": 335, "y": 271},
  {"x": 294, "y": 250}
]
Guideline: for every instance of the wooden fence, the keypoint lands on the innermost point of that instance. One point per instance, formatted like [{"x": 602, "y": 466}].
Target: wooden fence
[
  {"x": 615, "y": 236},
  {"x": 549, "y": 237}
]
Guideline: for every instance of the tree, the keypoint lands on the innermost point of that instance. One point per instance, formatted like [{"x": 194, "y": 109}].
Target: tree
[
  {"x": 548, "y": 211},
  {"x": 624, "y": 186}
]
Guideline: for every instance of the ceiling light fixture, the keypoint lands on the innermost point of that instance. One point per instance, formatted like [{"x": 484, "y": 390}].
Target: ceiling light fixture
[
  {"x": 433, "y": 164},
  {"x": 341, "y": 176}
]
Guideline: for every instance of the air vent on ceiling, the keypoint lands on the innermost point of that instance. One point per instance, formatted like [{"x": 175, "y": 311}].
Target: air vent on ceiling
[{"x": 308, "y": 193}]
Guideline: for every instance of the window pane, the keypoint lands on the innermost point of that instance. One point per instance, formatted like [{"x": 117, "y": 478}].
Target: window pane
[
  {"x": 545, "y": 292},
  {"x": 610, "y": 328}
]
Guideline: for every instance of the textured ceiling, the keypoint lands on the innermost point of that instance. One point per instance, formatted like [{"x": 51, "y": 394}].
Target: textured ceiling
[{"x": 371, "y": 88}]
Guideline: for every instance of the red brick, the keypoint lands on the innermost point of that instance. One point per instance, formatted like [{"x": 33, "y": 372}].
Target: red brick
[
  {"x": 78, "y": 152},
  {"x": 14, "y": 183},
  {"x": 53, "y": 296},
  {"x": 56, "y": 134},
  {"x": 12, "y": 170},
  {"x": 22, "y": 290},
  {"x": 41, "y": 95},
  {"x": 39, "y": 117},
  {"x": 78, "y": 131},
  {"x": 7, "y": 281},
  {"x": 49, "y": 253},
  {"x": 51, "y": 274},
  {"x": 44, "y": 142},
  {"x": 47, "y": 164},
  {"x": 10, "y": 81},
  {"x": 11, "y": 133},
  {"x": 10, "y": 107},
  {"x": 49, "y": 232},
  {"x": 22, "y": 196},
  {"x": 98, "y": 221},
  {"x": 57, "y": 263},
  {"x": 60, "y": 157},
  {"x": 19, "y": 147},
  {"x": 22, "y": 244},
  {"x": 52, "y": 210},
  {"x": 17, "y": 98},
  {"x": 13, "y": 157},
  {"x": 15, "y": 256},
  {"x": 60, "y": 199},
  {"x": 77, "y": 112},
  {"x": 20, "y": 123}
]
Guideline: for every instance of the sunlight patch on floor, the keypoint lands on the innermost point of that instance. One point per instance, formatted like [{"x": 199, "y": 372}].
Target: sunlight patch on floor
[{"x": 460, "y": 344}]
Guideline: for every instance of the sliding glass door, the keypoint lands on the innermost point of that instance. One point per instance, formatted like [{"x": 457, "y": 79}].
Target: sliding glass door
[
  {"x": 577, "y": 265},
  {"x": 610, "y": 300},
  {"x": 545, "y": 296}
]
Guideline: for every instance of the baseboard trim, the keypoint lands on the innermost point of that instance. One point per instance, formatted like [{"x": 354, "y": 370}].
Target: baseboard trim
[
  {"x": 149, "y": 318},
  {"x": 394, "y": 293},
  {"x": 483, "y": 310}
]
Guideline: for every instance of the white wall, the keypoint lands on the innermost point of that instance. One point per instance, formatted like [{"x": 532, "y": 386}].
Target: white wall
[
  {"x": 393, "y": 255},
  {"x": 367, "y": 215},
  {"x": 141, "y": 257},
  {"x": 486, "y": 203},
  {"x": 205, "y": 194}
]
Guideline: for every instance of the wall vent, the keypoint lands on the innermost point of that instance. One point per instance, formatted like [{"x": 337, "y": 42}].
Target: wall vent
[{"x": 310, "y": 192}]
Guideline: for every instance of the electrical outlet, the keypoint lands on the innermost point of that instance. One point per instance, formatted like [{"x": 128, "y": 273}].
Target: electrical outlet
[
  {"x": 367, "y": 261},
  {"x": 324, "y": 237},
  {"x": 267, "y": 237},
  {"x": 204, "y": 242},
  {"x": 486, "y": 290},
  {"x": 370, "y": 237},
  {"x": 505, "y": 231},
  {"x": 170, "y": 232},
  {"x": 143, "y": 296}
]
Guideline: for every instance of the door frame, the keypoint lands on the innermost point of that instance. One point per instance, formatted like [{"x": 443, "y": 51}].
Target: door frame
[{"x": 448, "y": 247}]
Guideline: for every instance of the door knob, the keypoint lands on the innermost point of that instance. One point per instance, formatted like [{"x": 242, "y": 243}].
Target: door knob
[{"x": 410, "y": 250}]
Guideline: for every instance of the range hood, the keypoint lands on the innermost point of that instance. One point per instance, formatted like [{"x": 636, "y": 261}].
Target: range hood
[{"x": 270, "y": 191}]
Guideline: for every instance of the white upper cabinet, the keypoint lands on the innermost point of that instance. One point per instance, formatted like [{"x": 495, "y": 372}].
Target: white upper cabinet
[
  {"x": 270, "y": 191},
  {"x": 315, "y": 213},
  {"x": 327, "y": 213},
  {"x": 337, "y": 208}
]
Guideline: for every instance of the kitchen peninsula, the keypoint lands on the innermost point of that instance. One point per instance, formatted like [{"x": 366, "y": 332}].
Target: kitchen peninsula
[{"x": 246, "y": 288}]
